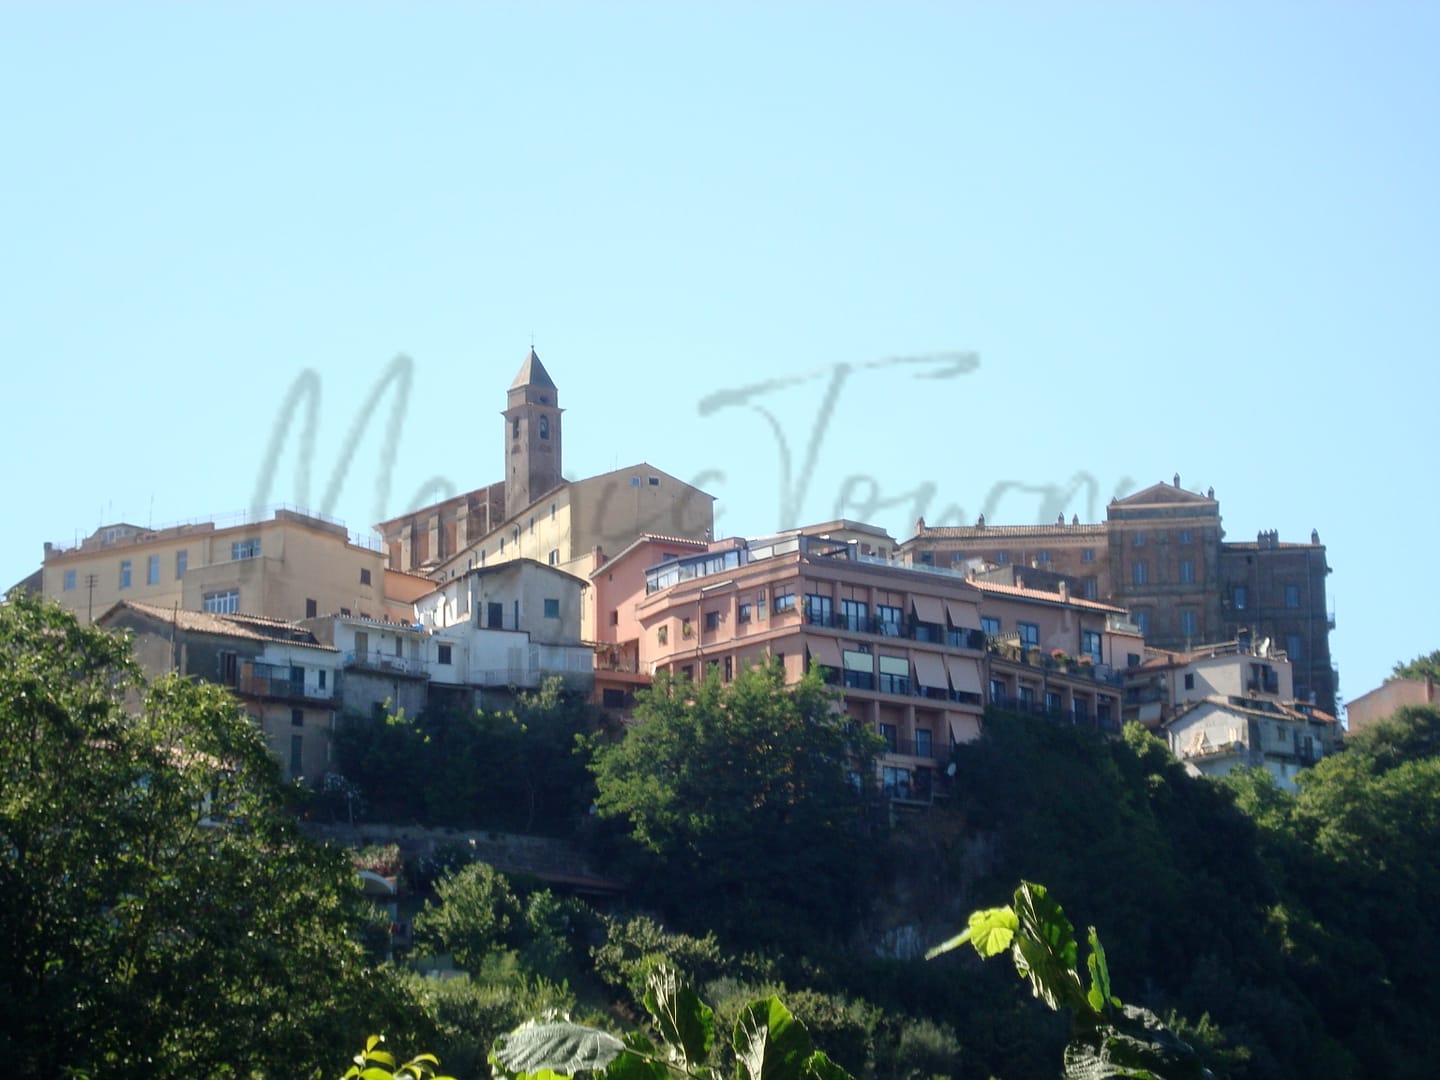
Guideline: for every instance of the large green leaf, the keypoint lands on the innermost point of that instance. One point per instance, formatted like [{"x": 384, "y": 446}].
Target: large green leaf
[
  {"x": 820, "y": 1067},
  {"x": 770, "y": 1044},
  {"x": 990, "y": 932},
  {"x": 557, "y": 1045},
  {"x": 1135, "y": 1045},
  {"x": 1099, "y": 996},
  {"x": 1045, "y": 948},
  {"x": 684, "y": 1021}
]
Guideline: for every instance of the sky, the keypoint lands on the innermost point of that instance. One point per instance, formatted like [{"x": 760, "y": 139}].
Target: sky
[{"x": 873, "y": 261}]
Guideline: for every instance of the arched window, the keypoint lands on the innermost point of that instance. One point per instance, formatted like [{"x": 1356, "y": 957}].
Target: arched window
[{"x": 544, "y": 427}]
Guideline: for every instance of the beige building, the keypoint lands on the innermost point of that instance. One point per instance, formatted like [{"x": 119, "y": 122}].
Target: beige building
[
  {"x": 290, "y": 566},
  {"x": 1166, "y": 681},
  {"x": 1217, "y": 734},
  {"x": 1381, "y": 703},
  {"x": 284, "y": 678},
  {"x": 903, "y": 645}
]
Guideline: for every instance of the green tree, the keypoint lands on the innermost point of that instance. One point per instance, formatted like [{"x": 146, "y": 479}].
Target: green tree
[
  {"x": 161, "y": 915},
  {"x": 475, "y": 914},
  {"x": 1422, "y": 667},
  {"x": 738, "y": 800}
]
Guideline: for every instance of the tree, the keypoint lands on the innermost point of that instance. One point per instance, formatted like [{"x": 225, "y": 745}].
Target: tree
[
  {"x": 1422, "y": 667},
  {"x": 161, "y": 913},
  {"x": 474, "y": 915},
  {"x": 739, "y": 801}
]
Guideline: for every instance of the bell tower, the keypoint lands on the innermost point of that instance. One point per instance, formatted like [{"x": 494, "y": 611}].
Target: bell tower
[{"x": 532, "y": 436}]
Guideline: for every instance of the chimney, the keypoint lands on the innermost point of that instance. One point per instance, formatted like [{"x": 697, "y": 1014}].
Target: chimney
[
  {"x": 1064, "y": 591},
  {"x": 1177, "y": 479}
]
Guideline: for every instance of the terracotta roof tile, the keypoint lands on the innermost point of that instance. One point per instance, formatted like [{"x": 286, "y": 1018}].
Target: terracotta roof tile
[{"x": 1041, "y": 594}]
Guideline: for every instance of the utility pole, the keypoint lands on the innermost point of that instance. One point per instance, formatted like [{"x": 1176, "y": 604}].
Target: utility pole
[{"x": 90, "y": 582}]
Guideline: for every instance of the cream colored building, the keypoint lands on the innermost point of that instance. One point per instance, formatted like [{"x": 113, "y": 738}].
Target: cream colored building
[{"x": 290, "y": 566}]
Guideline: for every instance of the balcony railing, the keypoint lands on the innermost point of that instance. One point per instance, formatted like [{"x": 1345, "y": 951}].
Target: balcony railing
[
  {"x": 388, "y": 663},
  {"x": 1060, "y": 665},
  {"x": 276, "y": 681},
  {"x": 911, "y": 629}
]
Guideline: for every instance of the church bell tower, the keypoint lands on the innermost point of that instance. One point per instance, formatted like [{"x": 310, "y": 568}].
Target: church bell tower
[{"x": 532, "y": 436}]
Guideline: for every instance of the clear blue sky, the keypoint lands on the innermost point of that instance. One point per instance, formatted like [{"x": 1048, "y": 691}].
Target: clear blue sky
[{"x": 1180, "y": 237}]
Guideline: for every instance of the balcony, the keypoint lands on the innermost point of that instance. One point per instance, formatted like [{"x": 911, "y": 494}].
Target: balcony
[
  {"x": 385, "y": 663},
  {"x": 912, "y": 630},
  {"x": 1076, "y": 667},
  {"x": 277, "y": 681}
]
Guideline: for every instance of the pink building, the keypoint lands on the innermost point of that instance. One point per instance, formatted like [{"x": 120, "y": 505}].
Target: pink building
[
  {"x": 1381, "y": 703},
  {"x": 903, "y": 644}
]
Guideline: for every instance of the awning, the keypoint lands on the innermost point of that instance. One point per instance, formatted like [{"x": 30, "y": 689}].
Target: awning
[
  {"x": 963, "y": 616},
  {"x": 858, "y": 661},
  {"x": 930, "y": 670},
  {"x": 964, "y": 674},
  {"x": 1150, "y": 712},
  {"x": 929, "y": 609},
  {"x": 824, "y": 651}
]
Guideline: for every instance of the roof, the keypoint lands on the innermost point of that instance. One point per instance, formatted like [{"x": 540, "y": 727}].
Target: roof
[
  {"x": 1021, "y": 592},
  {"x": 250, "y": 627},
  {"x": 1167, "y": 658},
  {"x": 532, "y": 373},
  {"x": 1163, "y": 493},
  {"x": 1269, "y": 710},
  {"x": 644, "y": 539},
  {"x": 981, "y": 532}
]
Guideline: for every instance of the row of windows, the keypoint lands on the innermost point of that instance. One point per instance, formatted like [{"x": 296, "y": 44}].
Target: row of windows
[{"x": 152, "y": 572}]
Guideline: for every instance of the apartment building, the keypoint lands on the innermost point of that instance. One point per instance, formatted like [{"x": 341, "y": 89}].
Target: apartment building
[
  {"x": 1161, "y": 555},
  {"x": 1219, "y": 733},
  {"x": 1167, "y": 681},
  {"x": 1054, "y": 654},
  {"x": 1381, "y": 703},
  {"x": 282, "y": 675},
  {"x": 902, "y": 644},
  {"x": 292, "y": 565}
]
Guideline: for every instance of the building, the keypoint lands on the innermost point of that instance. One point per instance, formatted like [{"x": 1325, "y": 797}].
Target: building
[
  {"x": 290, "y": 566},
  {"x": 505, "y": 627},
  {"x": 902, "y": 644},
  {"x": 1161, "y": 555},
  {"x": 546, "y": 518},
  {"x": 284, "y": 678},
  {"x": 1218, "y": 733},
  {"x": 1051, "y": 653},
  {"x": 1166, "y": 681},
  {"x": 1381, "y": 703},
  {"x": 385, "y": 665}
]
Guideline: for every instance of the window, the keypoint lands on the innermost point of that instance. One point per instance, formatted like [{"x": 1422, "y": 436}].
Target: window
[
  {"x": 152, "y": 570},
  {"x": 544, "y": 427},
  {"x": 532, "y": 526},
  {"x": 712, "y": 620},
  {"x": 1029, "y": 634},
  {"x": 687, "y": 630},
  {"x": 443, "y": 654},
  {"x": 1189, "y": 622},
  {"x": 297, "y": 747},
  {"x": 1090, "y": 644},
  {"x": 990, "y": 625},
  {"x": 182, "y": 561},
  {"x": 922, "y": 742},
  {"x": 1132, "y": 659},
  {"x": 687, "y": 672},
  {"x": 515, "y": 427},
  {"x": 229, "y": 668},
  {"x": 1025, "y": 696},
  {"x": 320, "y": 677},
  {"x": 784, "y": 602},
  {"x": 495, "y": 615},
  {"x": 1088, "y": 555},
  {"x": 1142, "y": 620},
  {"x": 895, "y": 782},
  {"x": 891, "y": 735},
  {"x": 890, "y": 619},
  {"x": 554, "y": 557},
  {"x": 1052, "y": 703},
  {"x": 552, "y": 608},
  {"x": 1139, "y": 539},
  {"x": 222, "y": 603},
  {"x": 1042, "y": 556},
  {"x": 855, "y": 616},
  {"x": 1186, "y": 537},
  {"x": 125, "y": 573},
  {"x": 69, "y": 580},
  {"x": 612, "y": 699},
  {"x": 1102, "y": 714},
  {"x": 1241, "y": 597},
  {"x": 1292, "y": 647},
  {"x": 894, "y": 675},
  {"x": 552, "y": 511},
  {"x": 1139, "y": 572},
  {"x": 245, "y": 549},
  {"x": 297, "y": 718},
  {"x": 1187, "y": 571},
  {"x": 311, "y": 608},
  {"x": 662, "y": 635},
  {"x": 654, "y": 481},
  {"x": 997, "y": 692},
  {"x": 819, "y": 610},
  {"x": 1292, "y": 596},
  {"x": 729, "y": 668},
  {"x": 742, "y": 614},
  {"x": 859, "y": 670},
  {"x": 1002, "y": 557},
  {"x": 1092, "y": 588},
  {"x": 364, "y": 575},
  {"x": 345, "y": 611},
  {"x": 1189, "y": 681}
]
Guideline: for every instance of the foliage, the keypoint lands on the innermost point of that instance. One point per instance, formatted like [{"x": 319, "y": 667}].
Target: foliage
[
  {"x": 1422, "y": 667},
  {"x": 634, "y": 948},
  {"x": 375, "y": 1063},
  {"x": 738, "y": 805},
  {"x": 474, "y": 915},
  {"x": 1107, "y": 1038},
  {"x": 767, "y": 1043},
  {"x": 516, "y": 770},
  {"x": 163, "y": 916}
]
